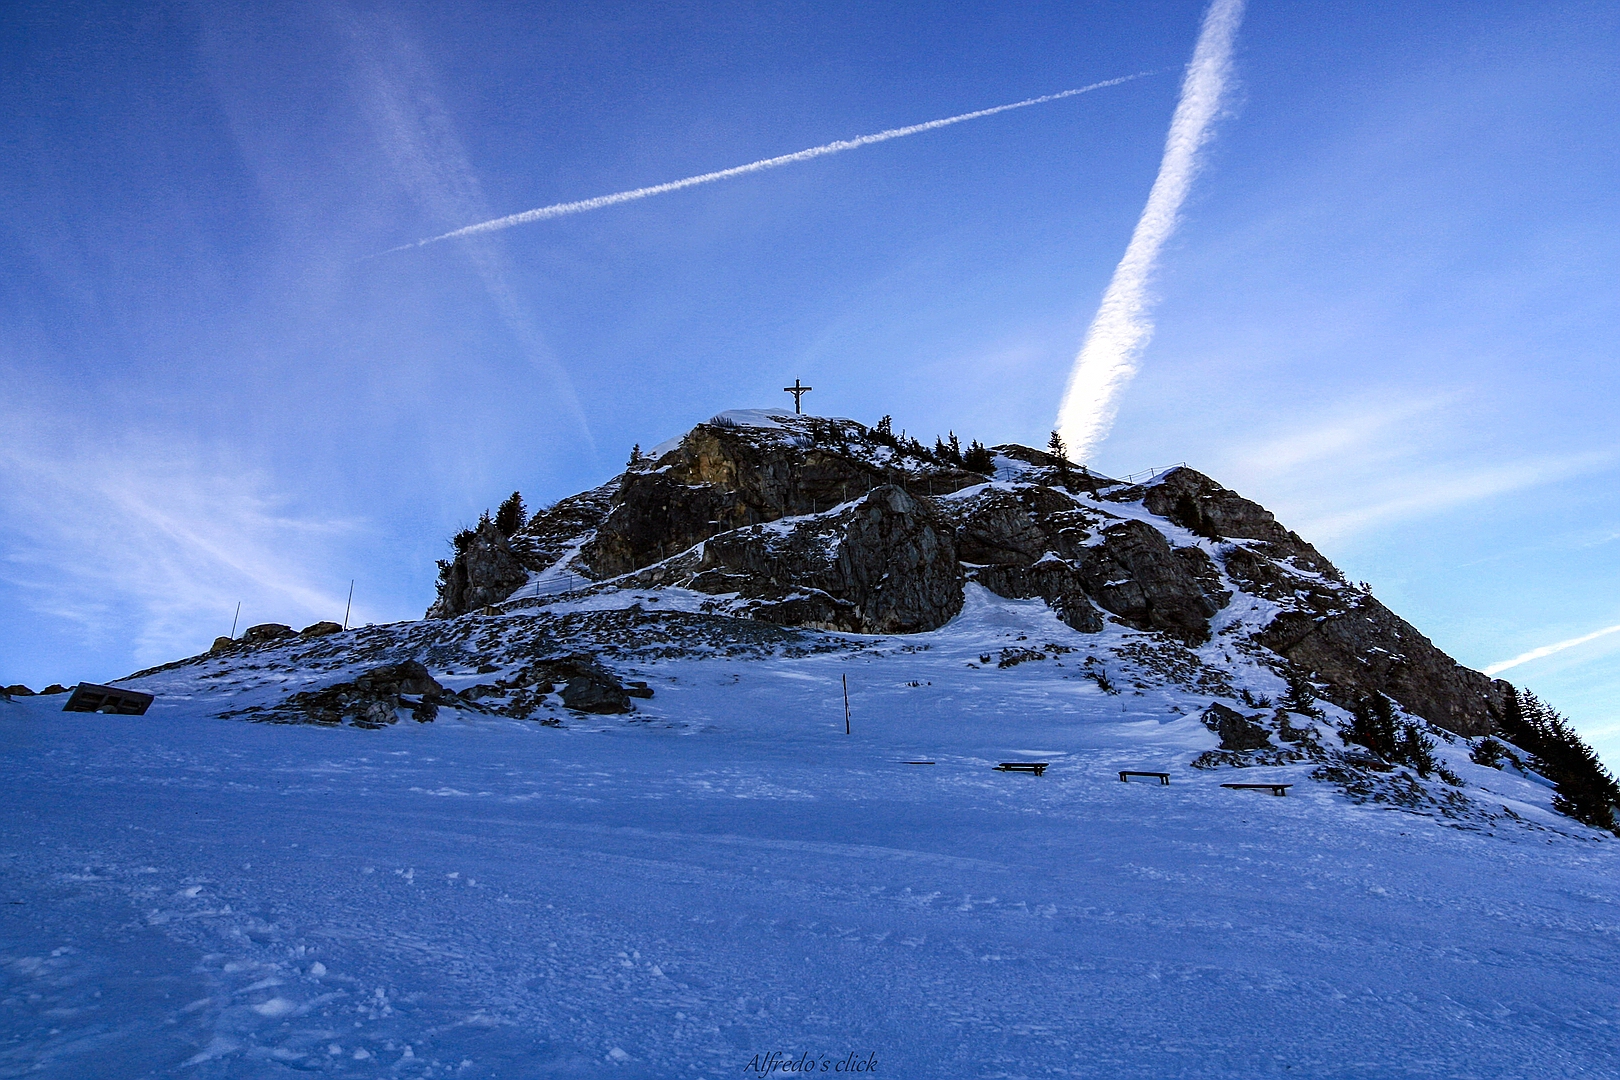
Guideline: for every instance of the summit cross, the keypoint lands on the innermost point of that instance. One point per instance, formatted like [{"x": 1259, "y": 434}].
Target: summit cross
[{"x": 797, "y": 391}]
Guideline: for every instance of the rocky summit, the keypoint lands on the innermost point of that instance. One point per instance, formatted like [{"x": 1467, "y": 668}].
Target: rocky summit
[
  {"x": 776, "y": 537},
  {"x": 827, "y": 524}
]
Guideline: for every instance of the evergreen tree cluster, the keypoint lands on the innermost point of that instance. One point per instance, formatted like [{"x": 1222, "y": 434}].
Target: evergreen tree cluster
[
  {"x": 1585, "y": 790},
  {"x": 978, "y": 459},
  {"x": 1374, "y": 726},
  {"x": 947, "y": 451}
]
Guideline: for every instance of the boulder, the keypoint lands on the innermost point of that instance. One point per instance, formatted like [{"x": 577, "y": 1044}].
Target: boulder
[
  {"x": 266, "y": 632},
  {"x": 222, "y": 643},
  {"x": 321, "y": 629},
  {"x": 588, "y": 686},
  {"x": 17, "y": 690},
  {"x": 405, "y": 677},
  {"x": 55, "y": 688},
  {"x": 1237, "y": 732}
]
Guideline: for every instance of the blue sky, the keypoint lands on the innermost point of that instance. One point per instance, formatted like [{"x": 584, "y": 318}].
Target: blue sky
[{"x": 1389, "y": 314}]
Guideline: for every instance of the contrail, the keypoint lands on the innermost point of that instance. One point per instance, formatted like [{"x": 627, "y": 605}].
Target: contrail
[
  {"x": 1121, "y": 328},
  {"x": 1548, "y": 650},
  {"x": 583, "y": 205}
]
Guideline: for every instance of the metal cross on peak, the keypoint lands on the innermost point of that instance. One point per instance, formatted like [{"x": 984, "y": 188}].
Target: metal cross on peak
[{"x": 798, "y": 392}]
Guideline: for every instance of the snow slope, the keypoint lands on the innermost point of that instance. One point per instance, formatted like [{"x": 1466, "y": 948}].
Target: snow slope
[{"x": 725, "y": 874}]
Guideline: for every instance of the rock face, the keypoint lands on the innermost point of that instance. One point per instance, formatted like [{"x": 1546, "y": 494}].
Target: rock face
[
  {"x": 886, "y": 564},
  {"x": 1137, "y": 575},
  {"x": 803, "y": 521},
  {"x": 1366, "y": 648},
  {"x": 484, "y": 572},
  {"x": 723, "y": 478}
]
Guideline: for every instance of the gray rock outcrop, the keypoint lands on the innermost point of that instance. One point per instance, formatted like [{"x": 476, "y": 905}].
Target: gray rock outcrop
[
  {"x": 266, "y": 632},
  {"x": 373, "y": 699},
  {"x": 824, "y": 523},
  {"x": 887, "y": 564},
  {"x": 1364, "y": 648},
  {"x": 1136, "y": 575},
  {"x": 485, "y": 571},
  {"x": 1236, "y": 731}
]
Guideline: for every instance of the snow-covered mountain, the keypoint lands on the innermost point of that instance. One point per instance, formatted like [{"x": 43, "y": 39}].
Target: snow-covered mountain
[{"x": 608, "y": 809}]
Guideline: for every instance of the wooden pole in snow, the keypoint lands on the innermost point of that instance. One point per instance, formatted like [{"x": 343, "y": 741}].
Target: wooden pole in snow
[{"x": 846, "y": 704}]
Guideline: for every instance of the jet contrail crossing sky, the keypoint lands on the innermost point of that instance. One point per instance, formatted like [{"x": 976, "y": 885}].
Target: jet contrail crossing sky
[
  {"x": 584, "y": 205},
  {"x": 1548, "y": 650},
  {"x": 1121, "y": 328}
]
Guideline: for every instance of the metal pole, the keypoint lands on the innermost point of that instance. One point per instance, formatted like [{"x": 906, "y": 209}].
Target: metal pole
[
  {"x": 238, "y": 615},
  {"x": 846, "y": 704},
  {"x": 349, "y": 605}
]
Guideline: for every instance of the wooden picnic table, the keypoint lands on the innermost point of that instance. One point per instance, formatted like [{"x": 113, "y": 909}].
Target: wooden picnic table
[{"x": 1275, "y": 789}]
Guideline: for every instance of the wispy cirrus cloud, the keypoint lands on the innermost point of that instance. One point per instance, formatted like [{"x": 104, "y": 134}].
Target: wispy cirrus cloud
[
  {"x": 395, "y": 85},
  {"x": 156, "y": 540}
]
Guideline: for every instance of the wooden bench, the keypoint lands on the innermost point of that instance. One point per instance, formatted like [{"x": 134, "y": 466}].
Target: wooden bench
[
  {"x": 1036, "y": 767},
  {"x": 1126, "y": 774},
  {"x": 1275, "y": 789},
  {"x": 916, "y": 763}
]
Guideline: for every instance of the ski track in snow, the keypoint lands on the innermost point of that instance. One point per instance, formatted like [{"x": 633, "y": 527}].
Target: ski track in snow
[{"x": 727, "y": 874}]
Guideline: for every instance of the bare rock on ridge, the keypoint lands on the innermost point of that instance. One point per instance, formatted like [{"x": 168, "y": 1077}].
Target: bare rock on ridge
[
  {"x": 888, "y": 564},
  {"x": 484, "y": 572},
  {"x": 1367, "y": 648},
  {"x": 722, "y": 478},
  {"x": 1136, "y": 575}
]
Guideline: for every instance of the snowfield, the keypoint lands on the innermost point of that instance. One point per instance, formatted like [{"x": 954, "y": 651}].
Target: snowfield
[{"x": 725, "y": 875}]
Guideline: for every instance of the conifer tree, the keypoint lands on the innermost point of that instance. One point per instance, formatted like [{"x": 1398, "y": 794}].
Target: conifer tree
[
  {"x": 1301, "y": 696},
  {"x": 1060, "y": 451},
  {"x": 511, "y": 515},
  {"x": 978, "y": 459}
]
